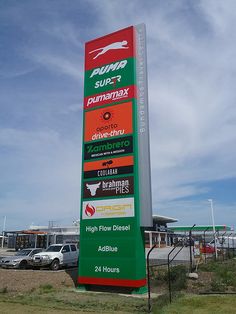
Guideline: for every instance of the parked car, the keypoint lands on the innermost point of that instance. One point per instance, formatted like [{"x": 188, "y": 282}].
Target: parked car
[
  {"x": 20, "y": 260},
  {"x": 56, "y": 256},
  {"x": 208, "y": 249}
]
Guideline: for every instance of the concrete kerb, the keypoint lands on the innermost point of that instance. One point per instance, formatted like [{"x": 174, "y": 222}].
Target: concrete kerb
[{"x": 139, "y": 296}]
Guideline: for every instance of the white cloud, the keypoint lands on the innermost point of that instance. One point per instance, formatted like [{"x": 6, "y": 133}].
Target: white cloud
[
  {"x": 40, "y": 179},
  {"x": 59, "y": 63},
  {"x": 193, "y": 128}
]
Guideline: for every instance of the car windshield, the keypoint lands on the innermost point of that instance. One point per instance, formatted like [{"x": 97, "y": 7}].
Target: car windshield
[
  {"x": 23, "y": 253},
  {"x": 54, "y": 248}
]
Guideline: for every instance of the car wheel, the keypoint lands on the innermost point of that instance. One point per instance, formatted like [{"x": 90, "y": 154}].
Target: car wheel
[
  {"x": 23, "y": 265},
  {"x": 55, "y": 265}
]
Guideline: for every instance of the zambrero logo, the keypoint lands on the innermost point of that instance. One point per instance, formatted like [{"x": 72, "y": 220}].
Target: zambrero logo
[
  {"x": 90, "y": 210},
  {"x": 111, "y": 147},
  {"x": 108, "y": 146}
]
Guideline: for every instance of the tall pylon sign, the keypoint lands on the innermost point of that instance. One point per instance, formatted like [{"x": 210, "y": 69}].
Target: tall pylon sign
[{"x": 116, "y": 185}]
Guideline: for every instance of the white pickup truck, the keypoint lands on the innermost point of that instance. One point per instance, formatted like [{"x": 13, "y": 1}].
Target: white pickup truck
[{"x": 56, "y": 256}]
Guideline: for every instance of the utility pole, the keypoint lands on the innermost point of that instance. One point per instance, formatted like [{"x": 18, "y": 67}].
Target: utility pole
[
  {"x": 3, "y": 230},
  {"x": 213, "y": 225},
  {"x": 204, "y": 237}
]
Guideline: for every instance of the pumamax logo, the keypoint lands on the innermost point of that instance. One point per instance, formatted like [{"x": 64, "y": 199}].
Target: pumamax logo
[
  {"x": 109, "y": 97},
  {"x": 109, "y": 187},
  {"x": 108, "y": 208},
  {"x": 108, "y": 122},
  {"x": 112, "y": 46}
]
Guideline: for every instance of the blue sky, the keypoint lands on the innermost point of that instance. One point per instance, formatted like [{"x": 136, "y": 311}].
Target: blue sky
[{"x": 191, "y": 72}]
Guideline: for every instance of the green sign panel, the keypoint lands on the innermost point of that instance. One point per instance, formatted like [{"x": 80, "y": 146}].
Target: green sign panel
[
  {"x": 109, "y": 77},
  {"x": 112, "y": 248}
]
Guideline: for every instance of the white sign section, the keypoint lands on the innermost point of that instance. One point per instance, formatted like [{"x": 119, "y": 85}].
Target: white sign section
[{"x": 108, "y": 208}]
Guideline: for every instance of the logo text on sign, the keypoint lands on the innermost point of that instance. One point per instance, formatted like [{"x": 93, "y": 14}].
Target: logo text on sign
[
  {"x": 108, "y": 208},
  {"x": 108, "y": 122}
]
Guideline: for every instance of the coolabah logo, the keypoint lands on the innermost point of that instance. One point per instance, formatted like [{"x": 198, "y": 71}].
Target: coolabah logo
[
  {"x": 108, "y": 167},
  {"x": 107, "y": 172},
  {"x": 107, "y": 163},
  {"x": 110, "y": 96},
  {"x": 113, "y": 46},
  {"x": 109, "y": 68}
]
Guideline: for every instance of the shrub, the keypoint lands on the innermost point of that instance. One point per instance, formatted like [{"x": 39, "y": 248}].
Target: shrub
[
  {"x": 46, "y": 288},
  {"x": 3, "y": 290},
  {"x": 178, "y": 277},
  {"x": 217, "y": 285}
]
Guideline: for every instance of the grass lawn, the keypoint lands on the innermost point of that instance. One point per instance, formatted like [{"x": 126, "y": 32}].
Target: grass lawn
[
  {"x": 69, "y": 302},
  {"x": 205, "y": 304},
  {"x": 48, "y": 300}
]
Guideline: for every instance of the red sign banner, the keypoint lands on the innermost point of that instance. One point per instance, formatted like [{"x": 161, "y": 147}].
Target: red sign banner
[
  {"x": 108, "y": 97},
  {"x": 112, "y": 47}
]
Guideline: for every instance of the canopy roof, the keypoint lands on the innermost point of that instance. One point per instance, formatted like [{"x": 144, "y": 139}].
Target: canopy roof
[
  {"x": 207, "y": 228},
  {"x": 23, "y": 232},
  {"x": 163, "y": 219}
]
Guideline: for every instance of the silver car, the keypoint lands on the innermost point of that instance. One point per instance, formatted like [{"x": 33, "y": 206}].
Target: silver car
[
  {"x": 20, "y": 259},
  {"x": 56, "y": 256}
]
